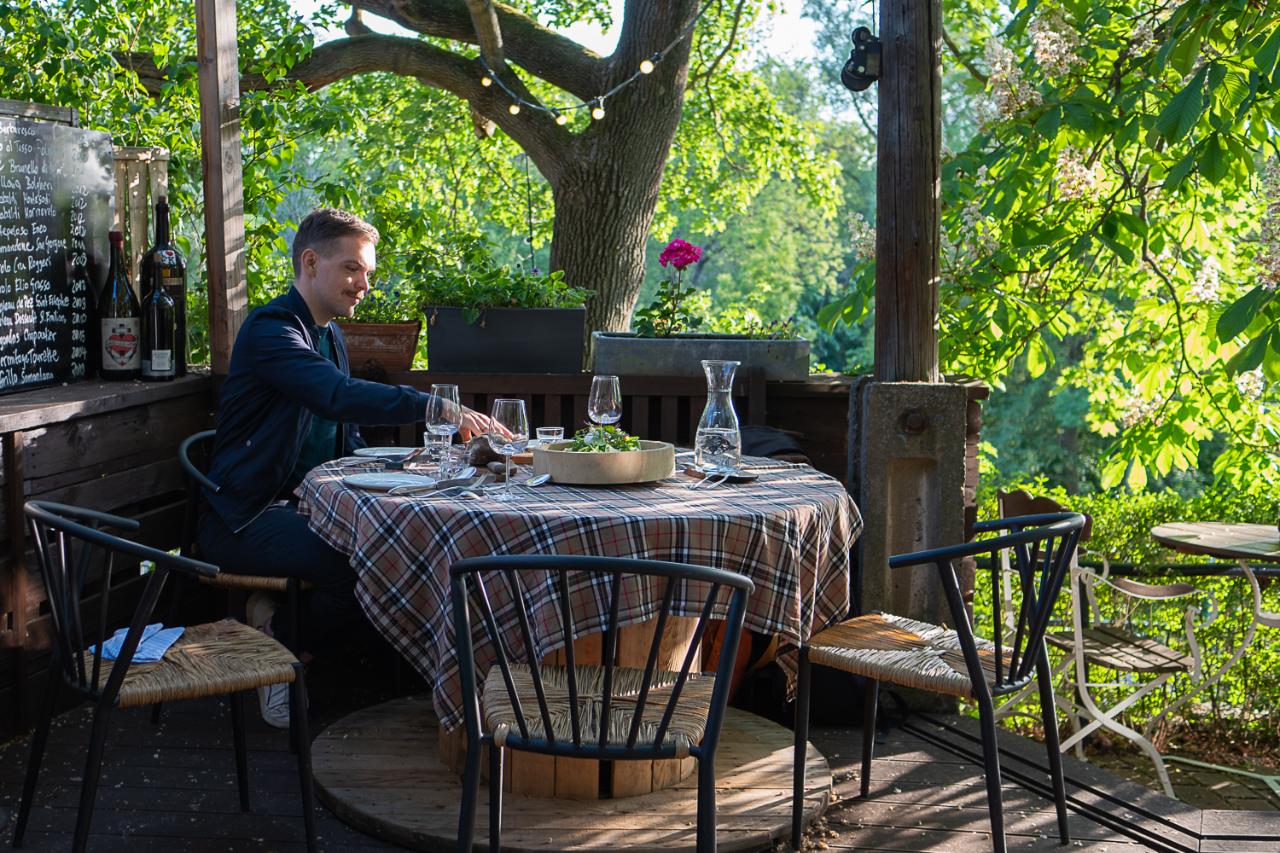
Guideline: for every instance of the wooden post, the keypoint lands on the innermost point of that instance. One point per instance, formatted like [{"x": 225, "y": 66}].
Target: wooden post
[
  {"x": 908, "y": 191},
  {"x": 223, "y": 175},
  {"x": 15, "y": 632}
]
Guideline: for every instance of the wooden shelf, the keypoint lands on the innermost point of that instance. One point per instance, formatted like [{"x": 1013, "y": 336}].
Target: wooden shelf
[{"x": 43, "y": 406}]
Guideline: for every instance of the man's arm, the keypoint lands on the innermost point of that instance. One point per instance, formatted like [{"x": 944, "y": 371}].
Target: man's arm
[{"x": 283, "y": 358}]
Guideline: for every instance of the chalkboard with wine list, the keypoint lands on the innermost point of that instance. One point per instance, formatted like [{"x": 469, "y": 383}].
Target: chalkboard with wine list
[{"x": 56, "y": 186}]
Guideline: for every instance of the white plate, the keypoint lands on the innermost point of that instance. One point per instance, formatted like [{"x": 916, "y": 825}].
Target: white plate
[
  {"x": 393, "y": 453},
  {"x": 376, "y": 481}
]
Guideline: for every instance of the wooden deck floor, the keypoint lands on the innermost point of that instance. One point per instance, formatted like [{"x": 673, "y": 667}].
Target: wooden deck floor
[{"x": 172, "y": 788}]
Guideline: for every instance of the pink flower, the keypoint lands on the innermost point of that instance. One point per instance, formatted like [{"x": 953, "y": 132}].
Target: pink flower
[{"x": 680, "y": 254}]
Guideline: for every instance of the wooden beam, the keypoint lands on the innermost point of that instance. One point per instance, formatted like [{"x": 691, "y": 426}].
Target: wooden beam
[
  {"x": 908, "y": 191},
  {"x": 223, "y": 175}
]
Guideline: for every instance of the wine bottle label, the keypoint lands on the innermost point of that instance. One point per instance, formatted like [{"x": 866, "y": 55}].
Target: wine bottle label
[
  {"x": 169, "y": 282},
  {"x": 121, "y": 338},
  {"x": 160, "y": 364}
]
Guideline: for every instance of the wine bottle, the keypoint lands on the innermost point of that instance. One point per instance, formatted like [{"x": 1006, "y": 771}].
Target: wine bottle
[
  {"x": 159, "y": 333},
  {"x": 163, "y": 265},
  {"x": 119, "y": 319}
]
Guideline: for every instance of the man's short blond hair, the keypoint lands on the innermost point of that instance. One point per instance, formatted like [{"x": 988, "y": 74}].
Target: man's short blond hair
[{"x": 322, "y": 227}]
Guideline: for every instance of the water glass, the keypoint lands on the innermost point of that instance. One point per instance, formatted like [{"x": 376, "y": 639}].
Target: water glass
[
  {"x": 604, "y": 406},
  {"x": 443, "y": 418},
  {"x": 511, "y": 416},
  {"x": 548, "y": 434}
]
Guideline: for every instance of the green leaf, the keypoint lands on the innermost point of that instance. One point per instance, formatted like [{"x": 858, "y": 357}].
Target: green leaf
[
  {"x": 1214, "y": 161},
  {"x": 1113, "y": 473},
  {"x": 1186, "y": 52},
  {"x": 1047, "y": 125},
  {"x": 1039, "y": 357},
  {"x": 1251, "y": 356},
  {"x": 1183, "y": 110},
  {"x": 1237, "y": 317},
  {"x": 1265, "y": 59},
  {"x": 1180, "y": 171}
]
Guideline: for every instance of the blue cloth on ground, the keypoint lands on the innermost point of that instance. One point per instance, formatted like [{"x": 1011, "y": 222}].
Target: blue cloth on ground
[{"x": 156, "y": 640}]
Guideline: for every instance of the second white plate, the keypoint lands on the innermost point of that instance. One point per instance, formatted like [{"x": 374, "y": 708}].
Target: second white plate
[
  {"x": 393, "y": 453},
  {"x": 376, "y": 481}
]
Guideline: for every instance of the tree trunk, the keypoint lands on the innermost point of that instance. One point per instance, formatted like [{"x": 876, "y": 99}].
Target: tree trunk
[
  {"x": 602, "y": 218},
  {"x": 608, "y": 182}
]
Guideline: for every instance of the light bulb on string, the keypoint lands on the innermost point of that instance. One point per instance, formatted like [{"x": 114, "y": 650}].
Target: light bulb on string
[
  {"x": 514, "y": 109},
  {"x": 561, "y": 118},
  {"x": 646, "y": 66},
  {"x": 486, "y": 81},
  {"x": 597, "y": 109}
]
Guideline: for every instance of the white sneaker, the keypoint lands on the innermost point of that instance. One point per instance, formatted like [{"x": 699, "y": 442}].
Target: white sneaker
[{"x": 273, "y": 700}]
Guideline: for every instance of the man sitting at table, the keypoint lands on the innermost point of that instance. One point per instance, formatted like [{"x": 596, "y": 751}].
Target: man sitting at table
[{"x": 288, "y": 404}]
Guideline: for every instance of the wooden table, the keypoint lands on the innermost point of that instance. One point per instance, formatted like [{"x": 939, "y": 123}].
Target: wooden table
[{"x": 790, "y": 531}]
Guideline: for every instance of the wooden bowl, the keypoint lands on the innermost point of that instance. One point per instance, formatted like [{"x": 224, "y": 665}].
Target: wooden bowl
[{"x": 655, "y": 460}]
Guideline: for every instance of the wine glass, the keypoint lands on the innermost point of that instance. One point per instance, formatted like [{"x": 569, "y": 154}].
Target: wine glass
[
  {"x": 604, "y": 406},
  {"x": 444, "y": 417},
  {"x": 511, "y": 416}
]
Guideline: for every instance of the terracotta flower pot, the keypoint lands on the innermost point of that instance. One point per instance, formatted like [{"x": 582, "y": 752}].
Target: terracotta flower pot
[{"x": 385, "y": 347}]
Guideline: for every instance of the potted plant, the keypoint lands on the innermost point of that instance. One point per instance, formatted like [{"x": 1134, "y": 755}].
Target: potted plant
[
  {"x": 483, "y": 317},
  {"x": 382, "y": 336},
  {"x": 669, "y": 340}
]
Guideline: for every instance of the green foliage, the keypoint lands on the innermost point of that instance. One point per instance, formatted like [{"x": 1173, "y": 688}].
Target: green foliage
[
  {"x": 674, "y": 309},
  {"x": 603, "y": 439},
  {"x": 468, "y": 278}
]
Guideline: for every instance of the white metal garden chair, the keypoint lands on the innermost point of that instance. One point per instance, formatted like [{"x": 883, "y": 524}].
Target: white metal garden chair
[{"x": 1113, "y": 644}]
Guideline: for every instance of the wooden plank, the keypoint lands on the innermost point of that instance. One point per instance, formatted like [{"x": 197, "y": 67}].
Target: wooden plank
[
  {"x": 640, "y": 416},
  {"x": 669, "y": 408},
  {"x": 219, "y": 72},
  {"x": 13, "y": 629},
  {"x": 45, "y": 406},
  {"x": 577, "y": 778},
  {"x": 532, "y": 775},
  {"x": 118, "y": 211},
  {"x": 38, "y": 112},
  {"x": 908, "y": 205},
  {"x": 553, "y": 412}
]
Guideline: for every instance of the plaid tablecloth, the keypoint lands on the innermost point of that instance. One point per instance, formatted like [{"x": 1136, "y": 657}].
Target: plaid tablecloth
[{"x": 790, "y": 531}]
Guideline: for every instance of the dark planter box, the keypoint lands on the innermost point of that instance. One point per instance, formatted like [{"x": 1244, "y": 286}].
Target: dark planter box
[
  {"x": 506, "y": 340},
  {"x": 625, "y": 354}
]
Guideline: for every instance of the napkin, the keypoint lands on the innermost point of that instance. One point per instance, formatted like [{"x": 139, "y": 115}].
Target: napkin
[{"x": 156, "y": 640}]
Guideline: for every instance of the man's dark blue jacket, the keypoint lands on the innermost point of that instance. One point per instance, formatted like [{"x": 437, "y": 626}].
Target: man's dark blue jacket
[{"x": 277, "y": 384}]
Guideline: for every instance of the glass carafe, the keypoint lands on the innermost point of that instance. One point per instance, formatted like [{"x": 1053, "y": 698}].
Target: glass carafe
[{"x": 718, "y": 445}]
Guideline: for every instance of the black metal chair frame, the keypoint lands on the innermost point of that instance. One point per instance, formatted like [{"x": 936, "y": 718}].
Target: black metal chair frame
[
  {"x": 64, "y": 578},
  {"x": 1041, "y": 576},
  {"x": 509, "y": 569},
  {"x": 197, "y": 479}
]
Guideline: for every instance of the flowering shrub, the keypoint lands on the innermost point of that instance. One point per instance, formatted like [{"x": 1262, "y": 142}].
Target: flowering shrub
[{"x": 676, "y": 308}]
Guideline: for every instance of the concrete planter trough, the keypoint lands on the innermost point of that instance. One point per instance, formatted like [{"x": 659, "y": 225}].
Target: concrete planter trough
[
  {"x": 380, "y": 347},
  {"x": 625, "y": 354},
  {"x": 505, "y": 340}
]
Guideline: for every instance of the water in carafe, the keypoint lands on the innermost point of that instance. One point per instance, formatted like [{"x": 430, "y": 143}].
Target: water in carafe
[{"x": 718, "y": 444}]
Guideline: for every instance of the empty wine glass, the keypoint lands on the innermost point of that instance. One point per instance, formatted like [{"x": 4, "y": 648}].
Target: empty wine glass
[
  {"x": 604, "y": 406},
  {"x": 511, "y": 416},
  {"x": 444, "y": 417}
]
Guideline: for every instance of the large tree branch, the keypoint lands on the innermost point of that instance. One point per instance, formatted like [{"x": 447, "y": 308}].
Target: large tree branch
[
  {"x": 485, "y": 20},
  {"x": 560, "y": 61},
  {"x": 535, "y": 131}
]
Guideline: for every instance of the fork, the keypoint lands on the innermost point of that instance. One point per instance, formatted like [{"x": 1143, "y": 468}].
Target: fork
[{"x": 709, "y": 482}]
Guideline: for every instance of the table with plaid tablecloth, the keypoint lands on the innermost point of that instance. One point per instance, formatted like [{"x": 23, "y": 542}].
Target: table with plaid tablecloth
[{"x": 790, "y": 531}]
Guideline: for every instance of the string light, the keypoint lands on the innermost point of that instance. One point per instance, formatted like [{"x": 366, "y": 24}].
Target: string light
[{"x": 596, "y": 104}]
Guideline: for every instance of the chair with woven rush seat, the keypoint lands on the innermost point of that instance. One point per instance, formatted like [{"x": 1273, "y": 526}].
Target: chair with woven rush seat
[
  {"x": 1112, "y": 644},
  {"x": 219, "y": 658},
  {"x": 598, "y": 712},
  {"x": 237, "y": 586},
  {"x": 956, "y": 662}
]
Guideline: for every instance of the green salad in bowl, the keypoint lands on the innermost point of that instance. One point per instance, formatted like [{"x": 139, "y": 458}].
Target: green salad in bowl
[{"x": 605, "y": 439}]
